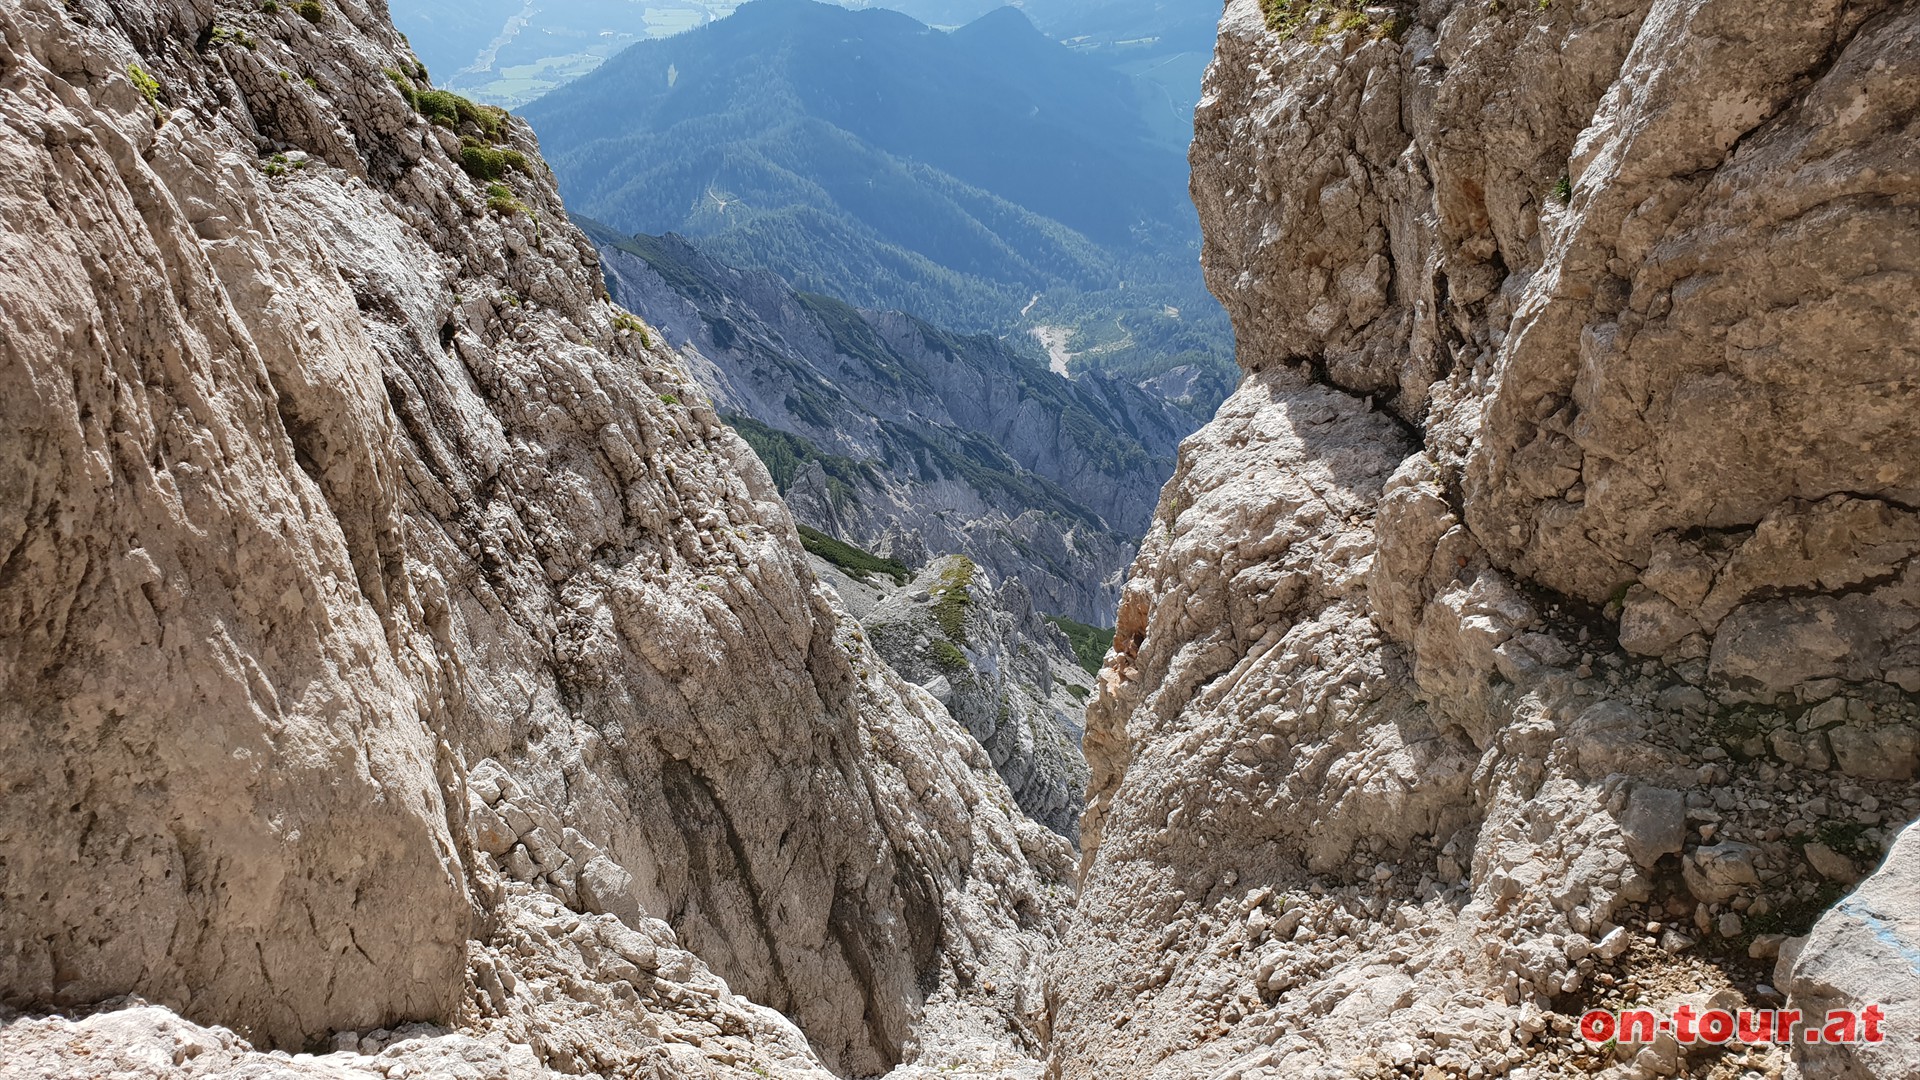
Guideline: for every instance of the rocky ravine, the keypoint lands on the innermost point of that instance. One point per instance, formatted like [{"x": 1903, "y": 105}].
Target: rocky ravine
[
  {"x": 391, "y": 639},
  {"x": 400, "y": 662},
  {"x": 914, "y": 441},
  {"x": 1001, "y": 669},
  {"x": 1536, "y": 628}
]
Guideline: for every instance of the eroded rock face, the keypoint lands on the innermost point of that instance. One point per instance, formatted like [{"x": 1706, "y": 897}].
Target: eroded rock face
[
  {"x": 912, "y": 440},
  {"x": 1499, "y": 640},
  {"x": 1003, "y": 672},
  {"x": 329, "y": 476}
]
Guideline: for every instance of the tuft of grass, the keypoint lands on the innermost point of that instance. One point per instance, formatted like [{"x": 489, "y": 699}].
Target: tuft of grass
[
  {"x": 405, "y": 86},
  {"x": 1090, "y": 643},
  {"x": 450, "y": 110},
  {"x": 949, "y": 658},
  {"x": 952, "y": 597},
  {"x": 1322, "y": 19},
  {"x": 312, "y": 11},
  {"x": 269, "y": 7},
  {"x": 859, "y": 564},
  {"x": 624, "y": 322},
  {"x": 502, "y": 200},
  {"x": 148, "y": 86},
  {"x": 1563, "y": 190},
  {"x": 483, "y": 162},
  {"x": 227, "y": 35}
]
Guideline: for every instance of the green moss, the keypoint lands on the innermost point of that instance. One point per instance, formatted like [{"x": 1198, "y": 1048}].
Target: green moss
[
  {"x": 952, "y": 597},
  {"x": 1322, "y": 19},
  {"x": 626, "y": 323},
  {"x": 483, "y": 162},
  {"x": 948, "y": 657},
  {"x": 502, "y": 200},
  {"x": 225, "y": 35},
  {"x": 448, "y": 109},
  {"x": 148, "y": 86},
  {"x": 855, "y": 562},
  {"x": 405, "y": 86},
  {"x": 1090, "y": 643}
]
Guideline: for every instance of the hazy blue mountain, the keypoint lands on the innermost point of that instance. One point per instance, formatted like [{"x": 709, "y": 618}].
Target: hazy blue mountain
[
  {"x": 449, "y": 34},
  {"x": 995, "y": 105},
  {"x": 508, "y": 52},
  {"x": 988, "y": 179},
  {"x": 942, "y": 13},
  {"x": 1164, "y": 46}
]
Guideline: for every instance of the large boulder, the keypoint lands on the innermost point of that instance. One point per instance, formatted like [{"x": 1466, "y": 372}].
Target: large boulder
[{"x": 1866, "y": 952}]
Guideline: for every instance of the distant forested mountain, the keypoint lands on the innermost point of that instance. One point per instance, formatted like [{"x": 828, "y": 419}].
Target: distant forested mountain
[
  {"x": 1163, "y": 46},
  {"x": 988, "y": 179},
  {"x": 508, "y": 52},
  {"x": 450, "y": 34}
]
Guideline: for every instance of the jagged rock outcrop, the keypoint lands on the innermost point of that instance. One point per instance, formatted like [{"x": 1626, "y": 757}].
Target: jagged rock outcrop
[
  {"x": 907, "y": 438},
  {"x": 1533, "y": 629},
  {"x": 1003, "y": 671},
  {"x": 390, "y": 635}
]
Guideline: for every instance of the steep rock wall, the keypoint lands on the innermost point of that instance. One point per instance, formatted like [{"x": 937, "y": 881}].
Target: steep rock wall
[
  {"x": 386, "y": 622},
  {"x": 1534, "y": 627},
  {"x": 1002, "y": 671}
]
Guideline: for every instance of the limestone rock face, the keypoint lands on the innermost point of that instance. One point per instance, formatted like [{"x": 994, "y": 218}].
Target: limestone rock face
[
  {"x": 386, "y": 624},
  {"x": 1003, "y": 672},
  {"x": 1500, "y": 639}
]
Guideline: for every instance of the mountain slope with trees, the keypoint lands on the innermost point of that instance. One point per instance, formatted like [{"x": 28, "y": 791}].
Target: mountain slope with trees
[
  {"x": 795, "y": 136},
  {"x": 909, "y": 440}
]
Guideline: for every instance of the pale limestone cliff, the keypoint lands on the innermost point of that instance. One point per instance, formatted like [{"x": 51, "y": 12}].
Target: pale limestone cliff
[
  {"x": 1535, "y": 628},
  {"x": 388, "y": 636}
]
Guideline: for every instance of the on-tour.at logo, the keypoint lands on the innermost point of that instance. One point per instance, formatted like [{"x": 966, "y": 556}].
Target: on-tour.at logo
[{"x": 1689, "y": 1025}]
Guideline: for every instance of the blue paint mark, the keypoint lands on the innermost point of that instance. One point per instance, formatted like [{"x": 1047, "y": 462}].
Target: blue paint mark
[{"x": 1888, "y": 934}]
